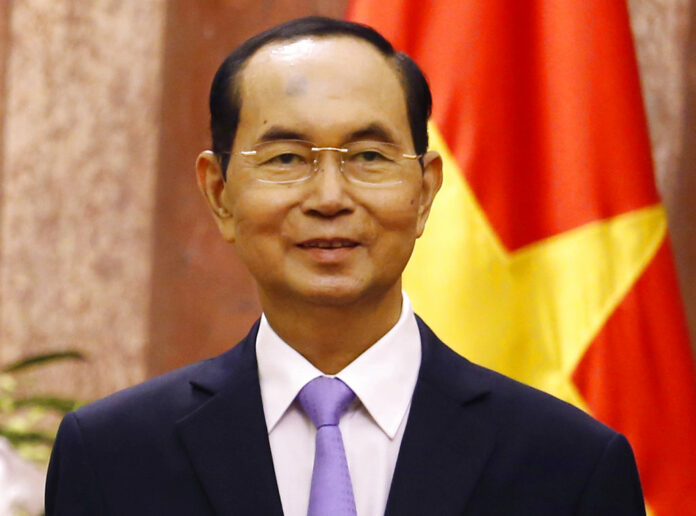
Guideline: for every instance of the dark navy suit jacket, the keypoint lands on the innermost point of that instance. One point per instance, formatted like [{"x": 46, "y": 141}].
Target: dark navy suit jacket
[{"x": 194, "y": 442}]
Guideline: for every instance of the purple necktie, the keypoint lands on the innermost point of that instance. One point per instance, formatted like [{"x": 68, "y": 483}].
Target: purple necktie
[{"x": 325, "y": 400}]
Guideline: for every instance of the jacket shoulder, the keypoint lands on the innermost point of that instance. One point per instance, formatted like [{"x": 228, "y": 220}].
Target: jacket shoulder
[
  {"x": 171, "y": 396},
  {"x": 506, "y": 401},
  {"x": 170, "y": 393}
]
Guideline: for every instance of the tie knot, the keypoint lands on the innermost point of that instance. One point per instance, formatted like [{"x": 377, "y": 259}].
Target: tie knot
[{"x": 325, "y": 400}]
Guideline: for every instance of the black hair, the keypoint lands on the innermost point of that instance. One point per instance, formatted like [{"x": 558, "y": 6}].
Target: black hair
[{"x": 225, "y": 98}]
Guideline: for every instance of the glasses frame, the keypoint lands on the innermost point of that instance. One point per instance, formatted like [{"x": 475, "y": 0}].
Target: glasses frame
[{"x": 315, "y": 149}]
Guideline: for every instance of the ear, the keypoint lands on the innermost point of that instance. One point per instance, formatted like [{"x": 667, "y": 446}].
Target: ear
[
  {"x": 212, "y": 186},
  {"x": 432, "y": 181}
]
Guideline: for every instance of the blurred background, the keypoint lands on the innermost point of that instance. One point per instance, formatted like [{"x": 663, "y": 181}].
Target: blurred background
[{"x": 106, "y": 247}]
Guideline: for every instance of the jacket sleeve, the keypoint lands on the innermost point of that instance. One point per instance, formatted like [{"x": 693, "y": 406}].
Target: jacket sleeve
[
  {"x": 71, "y": 484},
  {"x": 614, "y": 486}
]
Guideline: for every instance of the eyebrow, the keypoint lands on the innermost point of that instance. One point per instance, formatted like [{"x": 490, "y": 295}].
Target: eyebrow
[
  {"x": 373, "y": 131},
  {"x": 281, "y": 133}
]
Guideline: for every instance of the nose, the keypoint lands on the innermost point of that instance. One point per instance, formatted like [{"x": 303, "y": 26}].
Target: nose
[{"x": 327, "y": 195}]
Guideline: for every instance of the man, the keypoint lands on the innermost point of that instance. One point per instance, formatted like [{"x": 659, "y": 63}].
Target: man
[{"x": 339, "y": 401}]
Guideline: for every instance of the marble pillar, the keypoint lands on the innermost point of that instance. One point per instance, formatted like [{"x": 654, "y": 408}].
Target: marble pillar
[{"x": 81, "y": 130}]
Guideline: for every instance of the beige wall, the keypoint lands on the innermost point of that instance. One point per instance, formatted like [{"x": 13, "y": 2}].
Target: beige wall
[
  {"x": 81, "y": 123},
  {"x": 104, "y": 244}
]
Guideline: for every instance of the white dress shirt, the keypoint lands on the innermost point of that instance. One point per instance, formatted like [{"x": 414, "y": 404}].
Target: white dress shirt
[{"x": 383, "y": 379}]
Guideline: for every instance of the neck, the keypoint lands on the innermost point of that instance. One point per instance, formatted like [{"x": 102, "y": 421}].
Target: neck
[{"x": 329, "y": 336}]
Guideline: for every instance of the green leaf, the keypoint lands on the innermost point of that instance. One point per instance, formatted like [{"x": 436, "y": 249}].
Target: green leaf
[
  {"x": 42, "y": 359},
  {"x": 63, "y": 405},
  {"x": 17, "y": 437}
]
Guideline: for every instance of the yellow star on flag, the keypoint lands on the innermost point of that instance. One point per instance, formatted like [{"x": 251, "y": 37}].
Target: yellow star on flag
[{"x": 530, "y": 314}]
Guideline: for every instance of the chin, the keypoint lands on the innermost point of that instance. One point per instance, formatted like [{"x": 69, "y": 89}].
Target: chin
[
  {"x": 343, "y": 293},
  {"x": 332, "y": 296}
]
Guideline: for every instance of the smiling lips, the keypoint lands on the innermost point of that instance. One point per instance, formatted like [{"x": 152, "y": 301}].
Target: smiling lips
[
  {"x": 328, "y": 251},
  {"x": 328, "y": 243}
]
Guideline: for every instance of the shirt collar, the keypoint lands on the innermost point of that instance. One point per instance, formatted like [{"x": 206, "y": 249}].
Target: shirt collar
[{"x": 383, "y": 377}]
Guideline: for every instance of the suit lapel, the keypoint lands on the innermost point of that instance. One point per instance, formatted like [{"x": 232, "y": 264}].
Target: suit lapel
[
  {"x": 226, "y": 437},
  {"x": 444, "y": 449},
  {"x": 446, "y": 443}
]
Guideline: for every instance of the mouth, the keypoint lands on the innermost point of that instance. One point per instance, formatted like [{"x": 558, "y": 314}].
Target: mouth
[{"x": 328, "y": 243}]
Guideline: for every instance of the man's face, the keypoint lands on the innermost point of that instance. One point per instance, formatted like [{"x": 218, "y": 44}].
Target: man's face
[{"x": 325, "y": 240}]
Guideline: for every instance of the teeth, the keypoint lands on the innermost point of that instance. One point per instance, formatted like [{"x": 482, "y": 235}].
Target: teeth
[{"x": 330, "y": 245}]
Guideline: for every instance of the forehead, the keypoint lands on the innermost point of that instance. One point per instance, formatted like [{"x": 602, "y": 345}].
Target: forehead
[{"x": 321, "y": 85}]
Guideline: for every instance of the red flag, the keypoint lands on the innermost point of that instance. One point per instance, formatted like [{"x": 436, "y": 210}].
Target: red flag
[{"x": 538, "y": 110}]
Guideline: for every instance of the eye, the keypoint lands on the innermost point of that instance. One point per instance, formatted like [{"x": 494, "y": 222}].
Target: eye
[
  {"x": 369, "y": 156},
  {"x": 371, "y": 153},
  {"x": 286, "y": 159}
]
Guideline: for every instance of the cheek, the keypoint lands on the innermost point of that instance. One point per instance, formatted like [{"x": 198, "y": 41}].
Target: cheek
[
  {"x": 397, "y": 211},
  {"x": 259, "y": 218}
]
